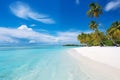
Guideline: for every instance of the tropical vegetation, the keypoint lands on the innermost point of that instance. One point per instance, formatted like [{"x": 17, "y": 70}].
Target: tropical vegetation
[{"x": 110, "y": 37}]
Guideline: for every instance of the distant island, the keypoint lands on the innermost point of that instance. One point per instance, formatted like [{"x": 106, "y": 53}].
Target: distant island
[{"x": 73, "y": 45}]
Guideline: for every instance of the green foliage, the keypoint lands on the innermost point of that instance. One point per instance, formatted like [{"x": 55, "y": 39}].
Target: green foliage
[
  {"x": 97, "y": 38},
  {"x": 108, "y": 43},
  {"x": 118, "y": 42},
  {"x": 94, "y": 10},
  {"x": 114, "y": 30},
  {"x": 91, "y": 39},
  {"x": 93, "y": 25}
]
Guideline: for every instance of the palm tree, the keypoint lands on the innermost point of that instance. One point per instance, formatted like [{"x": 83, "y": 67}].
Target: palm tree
[
  {"x": 81, "y": 38},
  {"x": 90, "y": 39},
  {"x": 95, "y": 40},
  {"x": 95, "y": 11},
  {"x": 114, "y": 30},
  {"x": 84, "y": 38},
  {"x": 94, "y": 26}
]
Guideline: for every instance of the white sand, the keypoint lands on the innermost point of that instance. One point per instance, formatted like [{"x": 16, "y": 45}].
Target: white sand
[
  {"x": 106, "y": 55},
  {"x": 99, "y": 63}
]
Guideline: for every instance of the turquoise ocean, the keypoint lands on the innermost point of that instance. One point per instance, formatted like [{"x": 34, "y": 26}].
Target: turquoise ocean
[{"x": 38, "y": 63}]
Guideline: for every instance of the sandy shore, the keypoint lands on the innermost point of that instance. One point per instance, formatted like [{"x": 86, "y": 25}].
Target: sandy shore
[{"x": 98, "y": 63}]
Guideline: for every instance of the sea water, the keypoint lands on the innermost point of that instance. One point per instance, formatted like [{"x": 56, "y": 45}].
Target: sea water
[{"x": 38, "y": 63}]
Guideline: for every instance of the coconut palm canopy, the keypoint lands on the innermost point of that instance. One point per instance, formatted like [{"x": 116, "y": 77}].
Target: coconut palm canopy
[
  {"x": 93, "y": 25},
  {"x": 114, "y": 30},
  {"x": 95, "y": 10}
]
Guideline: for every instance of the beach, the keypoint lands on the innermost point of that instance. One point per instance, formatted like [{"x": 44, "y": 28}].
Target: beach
[
  {"x": 99, "y": 63},
  {"x": 59, "y": 63}
]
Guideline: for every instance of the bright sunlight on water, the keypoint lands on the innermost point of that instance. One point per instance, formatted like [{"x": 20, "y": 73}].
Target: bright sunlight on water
[{"x": 42, "y": 63}]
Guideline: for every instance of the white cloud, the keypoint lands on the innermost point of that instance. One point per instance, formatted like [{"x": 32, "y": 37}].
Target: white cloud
[
  {"x": 67, "y": 37},
  {"x": 112, "y": 5},
  {"x": 5, "y": 39},
  {"x": 32, "y": 41},
  {"x": 8, "y": 35},
  {"x": 24, "y": 27},
  {"x": 32, "y": 25},
  {"x": 22, "y": 10},
  {"x": 77, "y": 2}
]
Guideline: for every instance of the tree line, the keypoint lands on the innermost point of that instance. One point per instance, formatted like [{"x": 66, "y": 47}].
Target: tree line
[{"x": 110, "y": 36}]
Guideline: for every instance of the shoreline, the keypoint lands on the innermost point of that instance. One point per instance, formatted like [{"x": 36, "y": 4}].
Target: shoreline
[{"x": 96, "y": 63}]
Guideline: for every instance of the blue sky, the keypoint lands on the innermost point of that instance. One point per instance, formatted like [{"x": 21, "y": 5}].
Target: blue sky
[{"x": 50, "y": 21}]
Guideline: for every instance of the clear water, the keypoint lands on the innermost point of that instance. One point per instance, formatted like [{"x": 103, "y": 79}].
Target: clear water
[{"x": 38, "y": 63}]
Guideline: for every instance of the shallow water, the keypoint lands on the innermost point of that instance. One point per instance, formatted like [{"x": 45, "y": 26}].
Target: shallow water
[{"x": 41, "y": 63}]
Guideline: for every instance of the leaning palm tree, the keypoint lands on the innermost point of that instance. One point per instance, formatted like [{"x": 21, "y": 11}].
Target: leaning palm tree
[
  {"x": 114, "y": 30},
  {"x": 94, "y": 26},
  {"x": 114, "y": 26},
  {"x": 95, "y": 11}
]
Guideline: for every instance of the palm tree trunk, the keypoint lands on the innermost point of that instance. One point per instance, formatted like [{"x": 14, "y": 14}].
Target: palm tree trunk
[
  {"x": 108, "y": 36},
  {"x": 101, "y": 42}
]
